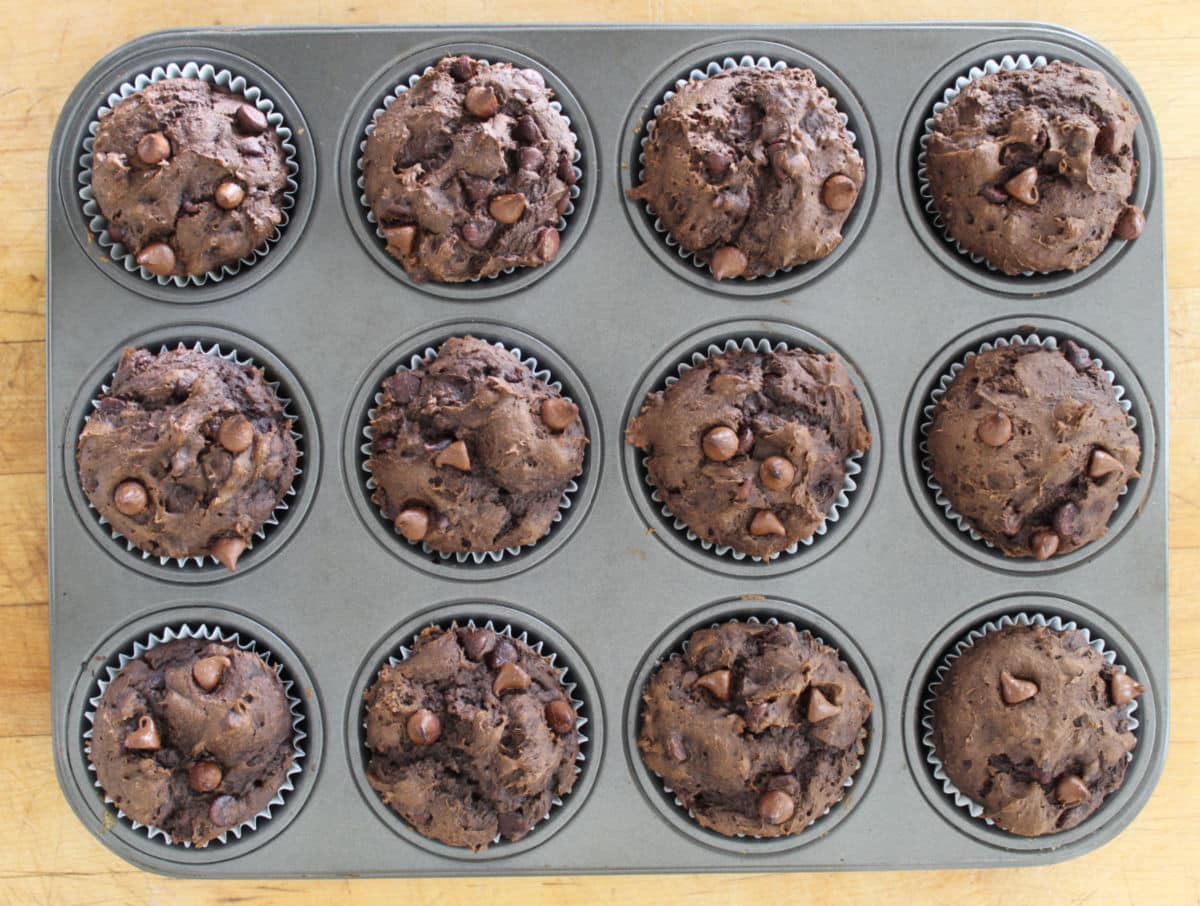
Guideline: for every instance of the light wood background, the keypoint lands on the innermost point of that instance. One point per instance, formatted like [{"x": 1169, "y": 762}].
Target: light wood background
[{"x": 46, "y": 856}]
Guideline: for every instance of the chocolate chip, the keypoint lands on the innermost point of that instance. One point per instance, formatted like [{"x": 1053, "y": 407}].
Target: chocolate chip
[
  {"x": 510, "y": 677},
  {"x": 145, "y": 737},
  {"x": 819, "y": 707},
  {"x": 676, "y": 750},
  {"x": 717, "y": 164},
  {"x": 477, "y": 188},
  {"x": 507, "y": 208},
  {"x": 477, "y": 642},
  {"x": 531, "y": 159},
  {"x": 412, "y": 522},
  {"x": 424, "y": 727},
  {"x": 728, "y": 261},
  {"x": 566, "y": 170},
  {"x": 717, "y": 683},
  {"x": 745, "y": 439},
  {"x": 994, "y": 194},
  {"x": 400, "y": 238},
  {"x": 455, "y": 456},
  {"x": 505, "y": 652},
  {"x": 1130, "y": 224},
  {"x": 776, "y": 473},
  {"x": 236, "y": 434},
  {"x": 130, "y": 497},
  {"x": 477, "y": 235},
  {"x": 158, "y": 258},
  {"x": 249, "y": 148},
  {"x": 250, "y": 119},
  {"x": 1044, "y": 545},
  {"x": 1066, "y": 521},
  {"x": 403, "y": 387},
  {"x": 1072, "y": 790},
  {"x": 481, "y": 102},
  {"x": 548, "y": 243},
  {"x": 720, "y": 444},
  {"x": 208, "y": 671},
  {"x": 788, "y": 163},
  {"x": 229, "y": 195},
  {"x": 839, "y": 192},
  {"x": 1106, "y": 139},
  {"x": 1102, "y": 464},
  {"x": 1014, "y": 691},
  {"x": 995, "y": 430},
  {"x": 557, "y": 413},
  {"x": 526, "y": 131},
  {"x": 153, "y": 148},
  {"x": 776, "y": 807},
  {"x": 1124, "y": 688},
  {"x": 225, "y": 811},
  {"x": 1023, "y": 187},
  {"x": 560, "y": 716},
  {"x": 1078, "y": 356},
  {"x": 1010, "y": 521},
  {"x": 204, "y": 776},
  {"x": 463, "y": 68},
  {"x": 226, "y": 551},
  {"x": 766, "y": 523}
]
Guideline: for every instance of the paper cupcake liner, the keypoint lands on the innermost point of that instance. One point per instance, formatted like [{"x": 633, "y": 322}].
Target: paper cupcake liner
[
  {"x": 213, "y": 634},
  {"x": 220, "y": 78},
  {"x": 849, "y": 485},
  {"x": 231, "y": 355},
  {"x": 712, "y": 68},
  {"x": 577, "y": 704},
  {"x": 477, "y": 557},
  {"x": 862, "y": 736},
  {"x": 990, "y": 67},
  {"x": 939, "y": 391},
  {"x": 968, "y": 641},
  {"x": 404, "y": 86}
]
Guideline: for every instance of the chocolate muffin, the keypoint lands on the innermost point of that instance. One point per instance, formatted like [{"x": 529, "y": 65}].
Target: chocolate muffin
[
  {"x": 473, "y": 736},
  {"x": 755, "y": 728},
  {"x": 188, "y": 176},
  {"x": 194, "y": 738},
  {"x": 750, "y": 448},
  {"x": 752, "y": 169},
  {"x": 188, "y": 454},
  {"x": 469, "y": 172},
  {"x": 1031, "y": 447},
  {"x": 1032, "y": 169},
  {"x": 1033, "y": 725},
  {"x": 471, "y": 452}
]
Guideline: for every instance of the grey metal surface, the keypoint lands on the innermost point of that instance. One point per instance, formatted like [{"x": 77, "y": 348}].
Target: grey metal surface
[{"x": 890, "y": 583}]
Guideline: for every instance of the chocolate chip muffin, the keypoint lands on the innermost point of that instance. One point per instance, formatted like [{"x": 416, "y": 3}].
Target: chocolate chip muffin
[
  {"x": 471, "y": 452},
  {"x": 188, "y": 176},
  {"x": 1033, "y": 725},
  {"x": 469, "y": 172},
  {"x": 1031, "y": 447},
  {"x": 755, "y": 728},
  {"x": 194, "y": 738},
  {"x": 752, "y": 169},
  {"x": 472, "y": 737},
  {"x": 188, "y": 454},
  {"x": 750, "y": 448},
  {"x": 1033, "y": 169}
]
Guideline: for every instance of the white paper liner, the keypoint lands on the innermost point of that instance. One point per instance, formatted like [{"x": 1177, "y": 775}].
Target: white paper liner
[
  {"x": 849, "y": 485},
  {"x": 569, "y": 687},
  {"x": 422, "y": 360},
  {"x": 273, "y": 520},
  {"x": 939, "y": 391},
  {"x": 404, "y": 86},
  {"x": 1020, "y": 619},
  {"x": 990, "y": 67},
  {"x": 711, "y": 69},
  {"x": 862, "y": 736},
  {"x": 221, "y": 78},
  {"x": 213, "y": 634}
]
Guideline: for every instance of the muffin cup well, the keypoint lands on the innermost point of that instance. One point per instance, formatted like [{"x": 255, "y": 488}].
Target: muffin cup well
[
  {"x": 219, "y": 78},
  {"x": 1033, "y": 339},
  {"x": 217, "y": 634},
  {"x": 207, "y": 561},
  {"x": 1021, "y": 618},
  {"x": 418, "y": 360}
]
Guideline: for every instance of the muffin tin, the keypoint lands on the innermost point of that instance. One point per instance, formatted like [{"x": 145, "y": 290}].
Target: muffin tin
[{"x": 892, "y": 583}]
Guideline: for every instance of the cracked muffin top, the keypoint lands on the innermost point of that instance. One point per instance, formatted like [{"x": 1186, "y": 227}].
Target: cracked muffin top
[
  {"x": 469, "y": 171},
  {"x": 1033, "y": 724},
  {"x": 189, "y": 177}
]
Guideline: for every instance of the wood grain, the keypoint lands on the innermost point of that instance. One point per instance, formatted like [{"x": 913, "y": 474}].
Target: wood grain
[{"x": 46, "y": 856}]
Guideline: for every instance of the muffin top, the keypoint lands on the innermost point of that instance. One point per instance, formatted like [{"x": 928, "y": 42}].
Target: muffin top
[
  {"x": 472, "y": 452},
  {"x": 469, "y": 171},
  {"x": 1032, "y": 169},
  {"x": 755, "y": 728},
  {"x": 189, "y": 177},
  {"x": 471, "y": 737},
  {"x": 194, "y": 737},
  {"x": 752, "y": 169},
  {"x": 749, "y": 448},
  {"x": 187, "y": 454},
  {"x": 1032, "y": 724},
  {"x": 1030, "y": 445}
]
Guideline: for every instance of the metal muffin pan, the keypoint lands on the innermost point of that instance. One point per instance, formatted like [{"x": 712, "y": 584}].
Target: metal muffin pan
[{"x": 893, "y": 582}]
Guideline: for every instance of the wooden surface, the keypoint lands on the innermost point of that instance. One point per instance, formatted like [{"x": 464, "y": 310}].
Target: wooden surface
[{"x": 46, "y": 856}]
